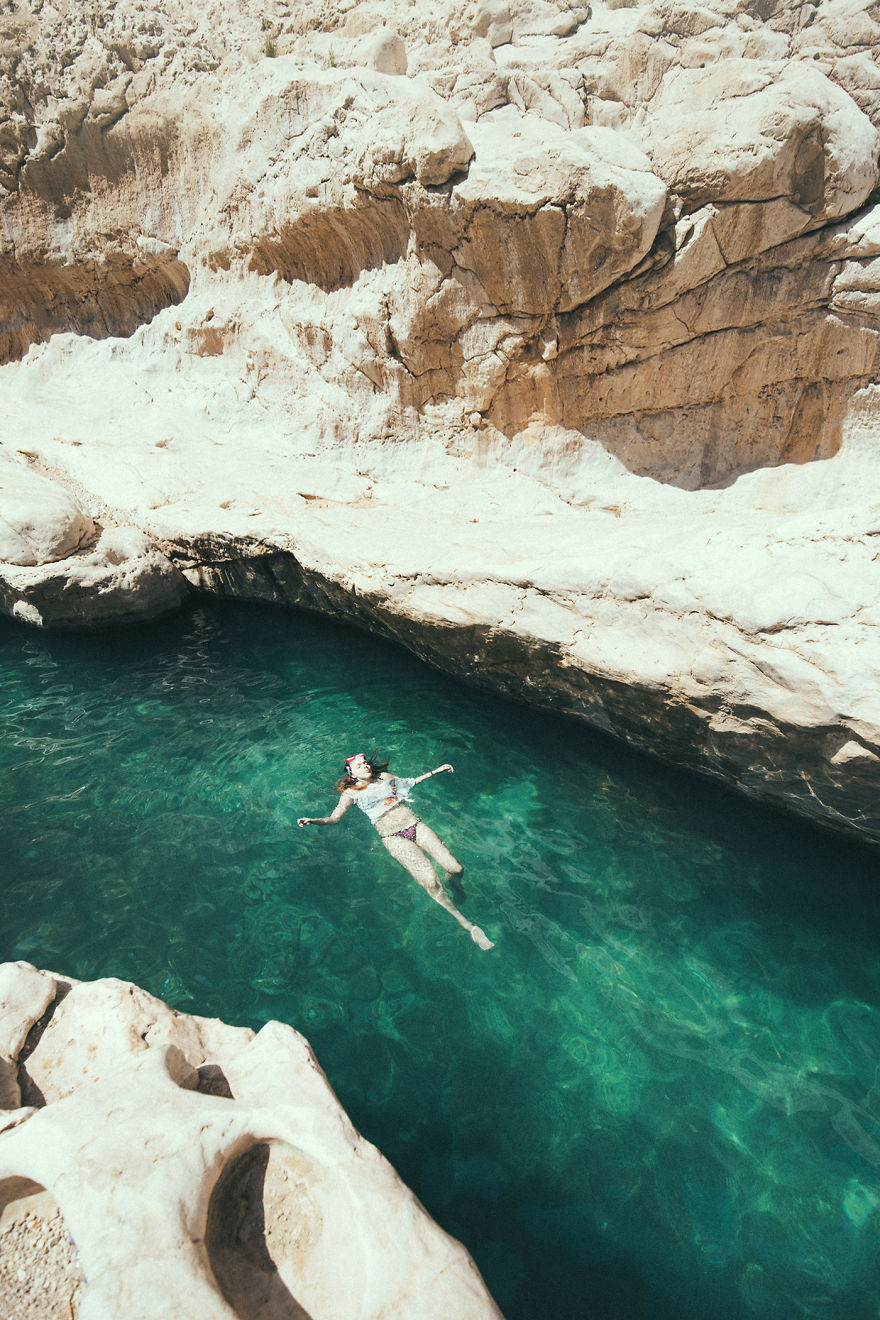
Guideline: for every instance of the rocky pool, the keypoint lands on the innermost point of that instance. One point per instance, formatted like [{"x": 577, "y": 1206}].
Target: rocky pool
[{"x": 658, "y": 1097}]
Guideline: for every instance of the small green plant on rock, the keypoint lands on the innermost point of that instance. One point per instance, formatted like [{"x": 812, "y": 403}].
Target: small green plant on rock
[{"x": 270, "y": 49}]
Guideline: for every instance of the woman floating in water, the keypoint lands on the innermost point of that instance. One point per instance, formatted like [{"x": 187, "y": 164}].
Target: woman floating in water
[{"x": 382, "y": 797}]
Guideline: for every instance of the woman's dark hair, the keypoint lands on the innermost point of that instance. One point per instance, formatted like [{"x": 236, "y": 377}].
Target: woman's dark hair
[{"x": 376, "y": 768}]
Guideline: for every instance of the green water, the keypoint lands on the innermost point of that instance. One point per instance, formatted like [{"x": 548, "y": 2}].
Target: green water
[{"x": 658, "y": 1097}]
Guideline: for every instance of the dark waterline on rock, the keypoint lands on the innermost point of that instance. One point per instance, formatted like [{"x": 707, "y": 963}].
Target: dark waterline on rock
[{"x": 658, "y": 1097}]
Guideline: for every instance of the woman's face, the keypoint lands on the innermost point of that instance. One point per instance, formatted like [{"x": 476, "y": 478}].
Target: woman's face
[{"x": 359, "y": 767}]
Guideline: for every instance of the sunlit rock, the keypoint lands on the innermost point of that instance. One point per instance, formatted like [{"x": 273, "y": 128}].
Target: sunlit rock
[
  {"x": 39, "y": 521},
  {"x": 205, "y": 1169},
  {"x": 122, "y": 575}
]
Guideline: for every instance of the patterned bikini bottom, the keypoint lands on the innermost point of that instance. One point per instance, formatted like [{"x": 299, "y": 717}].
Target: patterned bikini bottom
[{"x": 399, "y": 821}]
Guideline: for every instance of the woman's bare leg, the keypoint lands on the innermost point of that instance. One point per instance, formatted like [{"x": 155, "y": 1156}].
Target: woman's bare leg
[
  {"x": 411, "y": 857},
  {"x": 434, "y": 846}
]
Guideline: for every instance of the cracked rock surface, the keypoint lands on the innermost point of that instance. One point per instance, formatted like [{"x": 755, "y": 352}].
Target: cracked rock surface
[
  {"x": 541, "y": 337},
  {"x": 200, "y": 1169}
]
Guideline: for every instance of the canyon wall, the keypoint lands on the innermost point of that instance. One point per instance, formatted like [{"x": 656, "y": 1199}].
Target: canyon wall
[{"x": 542, "y": 338}]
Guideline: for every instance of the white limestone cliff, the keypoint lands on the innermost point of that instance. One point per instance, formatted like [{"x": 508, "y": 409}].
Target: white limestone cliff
[
  {"x": 539, "y": 337},
  {"x": 204, "y": 1169}
]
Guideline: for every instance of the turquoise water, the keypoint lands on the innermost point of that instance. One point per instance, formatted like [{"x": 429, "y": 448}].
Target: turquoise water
[{"x": 658, "y": 1097}]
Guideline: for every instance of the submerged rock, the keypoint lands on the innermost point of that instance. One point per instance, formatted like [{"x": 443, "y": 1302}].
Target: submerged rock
[
  {"x": 540, "y": 337},
  {"x": 202, "y": 1168}
]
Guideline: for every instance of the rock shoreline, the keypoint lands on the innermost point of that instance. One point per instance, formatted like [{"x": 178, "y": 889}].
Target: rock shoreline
[{"x": 784, "y": 742}]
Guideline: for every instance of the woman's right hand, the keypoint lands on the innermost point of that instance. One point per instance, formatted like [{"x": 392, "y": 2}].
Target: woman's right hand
[{"x": 304, "y": 820}]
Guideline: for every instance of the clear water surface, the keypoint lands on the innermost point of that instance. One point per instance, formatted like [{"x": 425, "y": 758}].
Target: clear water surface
[{"x": 658, "y": 1097}]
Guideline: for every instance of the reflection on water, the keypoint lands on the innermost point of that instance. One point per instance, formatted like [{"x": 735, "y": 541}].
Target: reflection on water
[{"x": 659, "y": 1096}]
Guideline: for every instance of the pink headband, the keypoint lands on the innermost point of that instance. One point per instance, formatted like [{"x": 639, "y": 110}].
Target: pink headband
[{"x": 354, "y": 758}]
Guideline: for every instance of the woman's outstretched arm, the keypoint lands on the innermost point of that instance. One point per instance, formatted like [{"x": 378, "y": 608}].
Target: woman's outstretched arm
[
  {"x": 431, "y": 773},
  {"x": 339, "y": 810}
]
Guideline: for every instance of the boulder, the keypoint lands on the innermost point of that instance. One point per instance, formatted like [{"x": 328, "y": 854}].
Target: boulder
[
  {"x": 386, "y": 52},
  {"x": 203, "y": 1168},
  {"x": 554, "y": 217},
  {"x": 123, "y": 575},
  {"x": 743, "y": 131},
  {"x": 492, "y": 20},
  {"x": 40, "y": 522}
]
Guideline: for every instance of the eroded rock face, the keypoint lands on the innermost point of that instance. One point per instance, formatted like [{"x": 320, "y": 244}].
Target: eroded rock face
[
  {"x": 540, "y": 337},
  {"x": 202, "y": 1168}
]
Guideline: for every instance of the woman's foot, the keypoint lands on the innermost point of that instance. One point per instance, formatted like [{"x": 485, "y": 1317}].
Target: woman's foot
[{"x": 480, "y": 937}]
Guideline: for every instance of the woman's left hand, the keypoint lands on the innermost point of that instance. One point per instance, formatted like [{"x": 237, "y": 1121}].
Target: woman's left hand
[{"x": 441, "y": 768}]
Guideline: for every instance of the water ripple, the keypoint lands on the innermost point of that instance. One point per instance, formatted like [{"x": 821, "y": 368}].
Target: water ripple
[{"x": 666, "y": 1078}]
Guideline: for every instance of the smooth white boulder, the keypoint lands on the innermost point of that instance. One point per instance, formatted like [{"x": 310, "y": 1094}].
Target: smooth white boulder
[
  {"x": 386, "y": 52},
  {"x": 39, "y": 520},
  {"x": 201, "y": 1168}
]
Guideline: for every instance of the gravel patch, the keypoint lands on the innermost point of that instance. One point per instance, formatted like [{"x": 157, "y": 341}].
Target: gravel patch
[{"x": 40, "y": 1273}]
